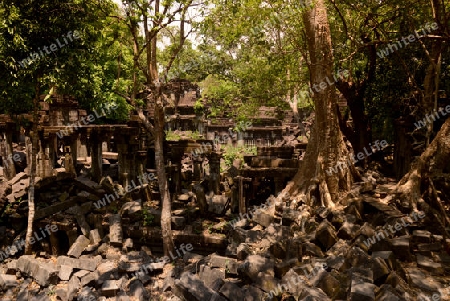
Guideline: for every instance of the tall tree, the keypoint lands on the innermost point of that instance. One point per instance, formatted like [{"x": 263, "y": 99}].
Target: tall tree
[
  {"x": 38, "y": 52},
  {"x": 153, "y": 16},
  {"x": 326, "y": 147}
]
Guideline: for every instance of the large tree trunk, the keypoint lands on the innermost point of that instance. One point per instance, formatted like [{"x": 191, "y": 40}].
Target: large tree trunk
[
  {"x": 360, "y": 134},
  {"x": 31, "y": 192},
  {"x": 416, "y": 188},
  {"x": 431, "y": 87},
  {"x": 326, "y": 146},
  {"x": 166, "y": 214}
]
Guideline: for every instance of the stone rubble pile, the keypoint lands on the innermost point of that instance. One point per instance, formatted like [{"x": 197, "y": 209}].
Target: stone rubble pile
[{"x": 289, "y": 251}]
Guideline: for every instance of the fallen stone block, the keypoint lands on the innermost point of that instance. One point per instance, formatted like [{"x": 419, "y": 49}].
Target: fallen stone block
[
  {"x": 256, "y": 263},
  {"x": 190, "y": 287},
  {"x": 7, "y": 281},
  {"x": 326, "y": 235},
  {"x": 44, "y": 273},
  {"x": 362, "y": 291},
  {"x": 428, "y": 264},
  {"x": 110, "y": 288},
  {"x": 78, "y": 247},
  {"x": 17, "y": 178},
  {"x": 263, "y": 218},
  {"x": 138, "y": 291},
  {"x": 228, "y": 264},
  {"x": 94, "y": 237},
  {"x": 232, "y": 292},
  {"x": 115, "y": 230},
  {"x": 86, "y": 294},
  {"x": 64, "y": 272},
  {"x": 243, "y": 250},
  {"x": 82, "y": 264},
  {"x": 401, "y": 248},
  {"x": 313, "y": 294},
  {"x": 209, "y": 276},
  {"x": 90, "y": 279},
  {"x": 73, "y": 287}
]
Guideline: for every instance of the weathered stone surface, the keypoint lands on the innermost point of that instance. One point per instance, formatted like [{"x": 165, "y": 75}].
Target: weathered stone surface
[
  {"x": 178, "y": 222},
  {"x": 326, "y": 235},
  {"x": 131, "y": 210},
  {"x": 256, "y": 263},
  {"x": 106, "y": 270},
  {"x": 94, "y": 237},
  {"x": 329, "y": 285},
  {"x": 252, "y": 293},
  {"x": 64, "y": 272},
  {"x": 138, "y": 291},
  {"x": 420, "y": 280},
  {"x": 82, "y": 264},
  {"x": 348, "y": 230},
  {"x": 380, "y": 270},
  {"x": 263, "y": 218},
  {"x": 90, "y": 279},
  {"x": 278, "y": 250},
  {"x": 78, "y": 247},
  {"x": 110, "y": 288},
  {"x": 192, "y": 257},
  {"x": 421, "y": 236},
  {"x": 401, "y": 248},
  {"x": 243, "y": 250},
  {"x": 85, "y": 228},
  {"x": 313, "y": 294},
  {"x": 210, "y": 276},
  {"x": 191, "y": 288},
  {"x": 17, "y": 178},
  {"x": 283, "y": 267},
  {"x": 229, "y": 264},
  {"x": 73, "y": 286},
  {"x": 217, "y": 203},
  {"x": 115, "y": 230},
  {"x": 47, "y": 211},
  {"x": 387, "y": 256},
  {"x": 362, "y": 291},
  {"x": 7, "y": 281},
  {"x": 428, "y": 264},
  {"x": 86, "y": 294},
  {"x": 44, "y": 273},
  {"x": 232, "y": 292}
]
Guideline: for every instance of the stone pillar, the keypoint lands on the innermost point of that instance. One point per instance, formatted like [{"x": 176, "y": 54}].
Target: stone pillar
[
  {"x": 141, "y": 163},
  {"x": 82, "y": 147},
  {"x": 74, "y": 150},
  {"x": 234, "y": 199},
  {"x": 197, "y": 162},
  {"x": 52, "y": 150},
  {"x": 9, "y": 169},
  {"x": 105, "y": 147},
  {"x": 54, "y": 243},
  {"x": 40, "y": 167},
  {"x": 48, "y": 164},
  {"x": 242, "y": 205},
  {"x": 214, "y": 171},
  {"x": 28, "y": 150},
  {"x": 278, "y": 185},
  {"x": 96, "y": 157},
  {"x": 201, "y": 199},
  {"x": 124, "y": 168},
  {"x": 240, "y": 139}
]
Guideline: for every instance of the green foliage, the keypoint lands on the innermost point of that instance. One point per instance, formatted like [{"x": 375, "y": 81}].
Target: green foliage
[
  {"x": 194, "y": 135},
  {"x": 172, "y": 136},
  {"x": 220, "y": 95},
  {"x": 230, "y": 153},
  {"x": 147, "y": 217}
]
